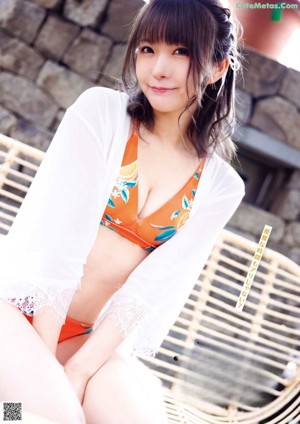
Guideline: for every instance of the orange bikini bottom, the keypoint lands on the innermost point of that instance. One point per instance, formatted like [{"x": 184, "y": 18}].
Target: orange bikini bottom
[{"x": 71, "y": 328}]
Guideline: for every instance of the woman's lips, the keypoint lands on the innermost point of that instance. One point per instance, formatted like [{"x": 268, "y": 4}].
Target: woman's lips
[{"x": 161, "y": 90}]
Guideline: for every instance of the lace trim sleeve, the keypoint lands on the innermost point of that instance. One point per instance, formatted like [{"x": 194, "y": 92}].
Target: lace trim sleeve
[
  {"x": 30, "y": 299},
  {"x": 133, "y": 315}
]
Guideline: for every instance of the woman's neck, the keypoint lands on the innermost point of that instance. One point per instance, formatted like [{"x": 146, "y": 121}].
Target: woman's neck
[{"x": 166, "y": 130}]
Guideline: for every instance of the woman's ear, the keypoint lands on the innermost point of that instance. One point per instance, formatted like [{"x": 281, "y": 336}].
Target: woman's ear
[{"x": 218, "y": 70}]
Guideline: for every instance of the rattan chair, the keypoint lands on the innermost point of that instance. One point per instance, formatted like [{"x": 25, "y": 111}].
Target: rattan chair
[{"x": 217, "y": 365}]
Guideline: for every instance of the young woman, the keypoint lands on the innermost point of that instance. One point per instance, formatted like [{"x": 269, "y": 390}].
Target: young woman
[{"x": 120, "y": 220}]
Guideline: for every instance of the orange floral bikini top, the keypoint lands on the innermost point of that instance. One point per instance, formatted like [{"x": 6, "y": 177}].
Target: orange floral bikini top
[{"x": 121, "y": 213}]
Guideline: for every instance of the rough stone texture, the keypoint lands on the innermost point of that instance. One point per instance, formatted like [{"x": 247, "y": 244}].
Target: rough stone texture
[
  {"x": 85, "y": 12},
  {"x": 49, "y": 4},
  {"x": 21, "y": 18},
  {"x": 287, "y": 204},
  {"x": 113, "y": 68},
  {"x": 231, "y": 227},
  {"x": 292, "y": 234},
  {"x": 294, "y": 181},
  {"x": 294, "y": 255},
  {"x": 25, "y": 98},
  {"x": 35, "y": 135},
  {"x": 88, "y": 54},
  {"x": 279, "y": 247},
  {"x": 243, "y": 105},
  {"x": 19, "y": 58},
  {"x": 55, "y": 37},
  {"x": 120, "y": 14},
  {"x": 252, "y": 220},
  {"x": 261, "y": 76},
  {"x": 63, "y": 85},
  {"x": 278, "y": 118},
  {"x": 7, "y": 120},
  {"x": 290, "y": 87},
  {"x": 58, "y": 119}
]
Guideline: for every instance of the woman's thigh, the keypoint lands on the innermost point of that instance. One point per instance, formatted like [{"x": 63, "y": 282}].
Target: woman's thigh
[
  {"x": 31, "y": 374},
  {"x": 123, "y": 391}
]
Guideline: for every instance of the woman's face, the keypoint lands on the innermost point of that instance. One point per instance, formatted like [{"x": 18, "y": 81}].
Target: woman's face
[{"x": 162, "y": 66}]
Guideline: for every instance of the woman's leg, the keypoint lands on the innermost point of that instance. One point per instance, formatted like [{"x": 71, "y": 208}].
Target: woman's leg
[
  {"x": 123, "y": 392},
  {"x": 31, "y": 374}
]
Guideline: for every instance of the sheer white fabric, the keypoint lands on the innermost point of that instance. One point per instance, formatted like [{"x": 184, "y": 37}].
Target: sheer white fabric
[{"x": 43, "y": 255}]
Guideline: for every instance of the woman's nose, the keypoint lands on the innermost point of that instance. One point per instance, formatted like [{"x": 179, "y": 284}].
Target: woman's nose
[{"x": 161, "y": 66}]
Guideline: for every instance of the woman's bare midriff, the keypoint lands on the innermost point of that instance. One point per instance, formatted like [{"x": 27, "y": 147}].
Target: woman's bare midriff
[
  {"x": 113, "y": 257},
  {"x": 109, "y": 264}
]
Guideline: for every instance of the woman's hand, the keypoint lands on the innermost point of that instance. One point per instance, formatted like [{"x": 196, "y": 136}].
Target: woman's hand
[{"x": 78, "y": 379}]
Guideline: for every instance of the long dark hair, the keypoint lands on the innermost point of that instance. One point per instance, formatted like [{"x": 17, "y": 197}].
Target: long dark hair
[{"x": 204, "y": 28}]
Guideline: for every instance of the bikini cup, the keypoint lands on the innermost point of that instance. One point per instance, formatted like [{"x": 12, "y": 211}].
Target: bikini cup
[{"x": 121, "y": 213}]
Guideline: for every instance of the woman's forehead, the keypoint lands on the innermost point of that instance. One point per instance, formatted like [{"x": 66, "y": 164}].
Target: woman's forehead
[
  {"x": 156, "y": 43},
  {"x": 165, "y": 30}
]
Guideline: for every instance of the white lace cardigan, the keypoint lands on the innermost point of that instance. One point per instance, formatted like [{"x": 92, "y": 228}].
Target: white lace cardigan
[{"x": 43, "y": 255}]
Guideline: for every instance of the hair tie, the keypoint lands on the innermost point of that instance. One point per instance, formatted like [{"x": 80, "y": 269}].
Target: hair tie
[{"x": 234, "y": 63}]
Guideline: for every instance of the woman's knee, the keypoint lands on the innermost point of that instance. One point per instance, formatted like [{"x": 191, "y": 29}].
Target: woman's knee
[{"x": 116, "y": 384}]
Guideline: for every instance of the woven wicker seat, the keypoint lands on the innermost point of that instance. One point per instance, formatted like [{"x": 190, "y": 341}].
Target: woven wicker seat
[{"x": 217, "y": 365}]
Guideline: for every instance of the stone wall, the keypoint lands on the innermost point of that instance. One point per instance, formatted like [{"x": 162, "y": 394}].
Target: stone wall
[
  {"x": 268, "y": 100},
  {"x": 52, "y": 50}
]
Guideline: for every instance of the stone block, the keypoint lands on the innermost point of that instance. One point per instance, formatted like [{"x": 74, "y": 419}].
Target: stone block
[
  {"x": 262, "y": 76},
  {"x": 48, "y": 4},
  {"x": 17, "y": 57},
  {"x": 88, "y": 53},
  {"x": 290, "y": 86},
  {"x": 58, "y": 119},
  {"x": 26, "y": 99},
  {"x": 279, "y": 247},
  {"x": 294, "y": 255},
  {"x": 119, "y": 17},
  {"x": 55, "y": 37},
  {"x": 21, "y": 18},
  {"x": 32, "y": 134},
  {"x": 113, "y": 67},
  {"x": 7, "y": 120},
  {"x": 243, "y": 106},
  {"x": 294, "y": 181},
  {"x": 250, "y": 219},
  {"x": 287, "y": 204},
  {"x": 292, "y": 234},
  {"x": 63, "y": 85},
  {"x": 279, "y": 118},
  {"x": 85, "y": 12}
]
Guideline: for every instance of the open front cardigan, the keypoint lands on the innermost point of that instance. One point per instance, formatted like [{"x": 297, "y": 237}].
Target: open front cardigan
[{"x": 42, "y": 257}]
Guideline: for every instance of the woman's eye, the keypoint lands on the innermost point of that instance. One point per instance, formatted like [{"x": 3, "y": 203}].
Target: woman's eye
[
  {"x": 183, "y": 51},
  {"x": 144, "y": 49}
]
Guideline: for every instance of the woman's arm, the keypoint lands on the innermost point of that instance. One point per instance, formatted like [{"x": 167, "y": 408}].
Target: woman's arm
[
  {"x": 97, "y": 349},
  {"x": 48, "y": 327},
  {"x": 93, "y": 354}
]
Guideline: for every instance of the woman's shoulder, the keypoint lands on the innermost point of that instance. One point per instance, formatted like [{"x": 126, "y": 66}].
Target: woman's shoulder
[{"x": 98, "y": 95}]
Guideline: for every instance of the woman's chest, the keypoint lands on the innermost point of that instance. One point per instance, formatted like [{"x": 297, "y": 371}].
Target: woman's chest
[{"x": 162, "y": 174}]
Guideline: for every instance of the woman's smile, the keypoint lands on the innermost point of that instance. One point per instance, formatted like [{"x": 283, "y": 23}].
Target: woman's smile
[{"x": 162, "y": 90}]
